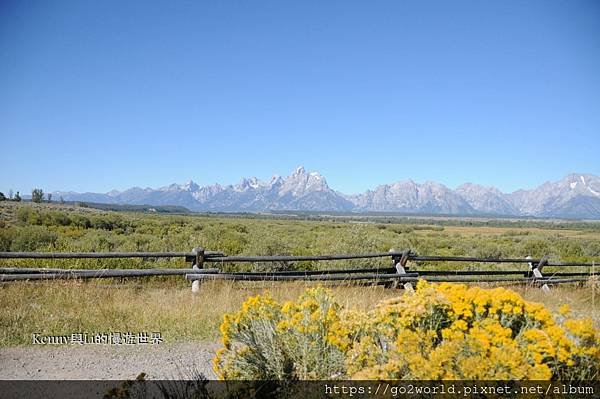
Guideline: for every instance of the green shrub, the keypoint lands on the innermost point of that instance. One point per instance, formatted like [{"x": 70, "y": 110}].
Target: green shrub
[
  {"x": 31, "y": 238},
  {"x": 58, "y": 219},
  {"x": 6, "y": 237},
  {"x": 28, "y": 215},
  {"x": 80, "y": 221}
]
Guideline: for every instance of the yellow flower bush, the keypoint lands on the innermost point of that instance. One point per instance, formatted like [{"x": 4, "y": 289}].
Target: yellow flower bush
[
  {"x": 266, "y": 340},
  {"x": 444, "y": 331}
]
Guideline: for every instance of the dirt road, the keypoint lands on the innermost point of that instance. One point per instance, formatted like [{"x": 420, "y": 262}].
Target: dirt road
[{"x": 164, "y": 361}]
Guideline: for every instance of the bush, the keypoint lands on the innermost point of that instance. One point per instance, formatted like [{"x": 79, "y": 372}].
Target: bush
[
  {"x": 455, "y": 332},
  {"x": 30, "y": 238},
  {"x": 266, "y": 340},
  {"x": 28, "y": 215},
  {"x": 6, "y": 237},
  {"x": 57, "y": 219},
  {"x": 230, "y": 239},
  {"x": 80, "y": 221},
  {"x": 265, "y": 243},
  {"x": 446, "y": 331}
]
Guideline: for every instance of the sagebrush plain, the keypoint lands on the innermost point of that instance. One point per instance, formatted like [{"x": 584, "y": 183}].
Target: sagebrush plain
[{"x": 166, "y": 304}]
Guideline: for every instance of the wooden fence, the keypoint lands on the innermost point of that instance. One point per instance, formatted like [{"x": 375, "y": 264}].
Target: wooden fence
[{"x": 399, "y": 274}]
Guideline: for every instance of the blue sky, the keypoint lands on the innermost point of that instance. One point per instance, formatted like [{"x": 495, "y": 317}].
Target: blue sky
[{"x": 102, "y": 95}]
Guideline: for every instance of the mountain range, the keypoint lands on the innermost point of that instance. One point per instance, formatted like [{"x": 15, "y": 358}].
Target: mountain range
[{"x": 576, "y": 196}]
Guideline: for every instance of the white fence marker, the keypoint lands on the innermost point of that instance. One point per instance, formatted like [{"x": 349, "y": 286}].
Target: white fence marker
[
  {"x": 198, "y": 263},
  {"x": 537, "y": 271},
  {"x": 399, "y": 263}
]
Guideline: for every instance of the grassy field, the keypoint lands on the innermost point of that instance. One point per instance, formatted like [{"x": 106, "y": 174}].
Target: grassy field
[
  {"x": 167, "y": 305},
  {"x": 61, "y": 308}
]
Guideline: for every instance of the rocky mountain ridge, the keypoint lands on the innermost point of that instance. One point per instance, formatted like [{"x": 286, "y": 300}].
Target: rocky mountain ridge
[{"x": 575, "y": 196}]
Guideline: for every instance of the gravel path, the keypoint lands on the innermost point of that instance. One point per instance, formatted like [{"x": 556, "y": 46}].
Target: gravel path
[{"x": 164, "y": 361}]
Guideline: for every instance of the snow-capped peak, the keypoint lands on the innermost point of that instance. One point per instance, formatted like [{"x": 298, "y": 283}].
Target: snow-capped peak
[
  {"x": 189, "y": 186},
  {"x": 275, "y": 180},
  {"x": 585, "y": 185},
  {"x": 299, "y": 171},
  {"x": 576, "y": 195},
  {"x": 251, "y": 183}
]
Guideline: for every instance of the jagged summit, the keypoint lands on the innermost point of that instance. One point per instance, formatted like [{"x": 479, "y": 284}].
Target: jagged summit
[
  {"x": 486, "y": 199},
  {"x": 577, "y": 195},
  {"x": 299, "y": 171}
]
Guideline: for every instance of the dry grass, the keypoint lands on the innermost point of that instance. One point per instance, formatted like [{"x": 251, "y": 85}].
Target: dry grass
[
  {"x": 65, "y": 307},
  {"x": 584, "y": 301},
  {"x": 493, "y": 230}
]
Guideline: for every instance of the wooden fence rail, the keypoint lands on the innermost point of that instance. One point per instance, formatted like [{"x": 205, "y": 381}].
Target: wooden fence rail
[
  {"x": 399, "y": 274},
  {"x": 215, "y": 256},
  {"x": 416, "y": 258},
  {"x": 101, "y": 255},
  {"x": 66, "y": 274}
]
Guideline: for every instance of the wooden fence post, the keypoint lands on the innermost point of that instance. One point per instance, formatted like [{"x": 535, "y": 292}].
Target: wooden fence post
[
  {"x": 399, "y": 262},
  {"x": 536, "y": 269},
  {"x": 198, "y": 264}
]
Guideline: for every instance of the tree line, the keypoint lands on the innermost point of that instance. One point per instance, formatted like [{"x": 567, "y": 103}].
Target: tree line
[{"x": 37, "y": 195}]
